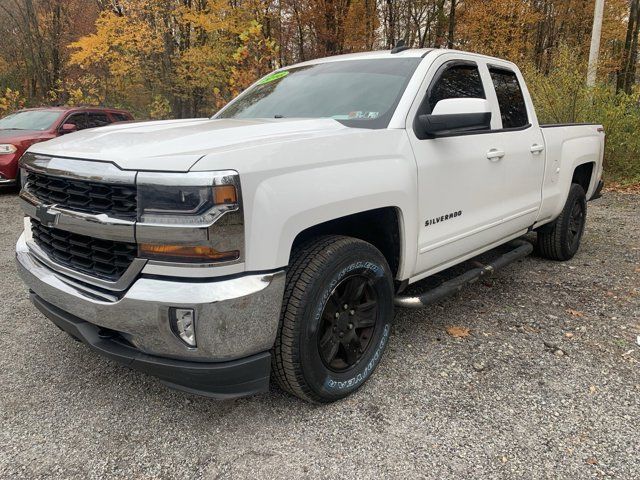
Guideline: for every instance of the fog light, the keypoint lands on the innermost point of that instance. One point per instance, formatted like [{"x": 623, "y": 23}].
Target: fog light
[{"x": 183, "y": 324}]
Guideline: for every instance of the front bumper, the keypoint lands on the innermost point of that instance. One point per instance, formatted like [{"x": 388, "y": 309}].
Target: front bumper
[
  {"x": 221, "y": 380},
  {"x": 9, "y": 168},
  {"x": 5, "y": 182},
  {"x": 236, "y": 318}
]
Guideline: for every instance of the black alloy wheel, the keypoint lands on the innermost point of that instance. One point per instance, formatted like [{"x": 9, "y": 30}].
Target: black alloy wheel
[{"x": 348, "y": 323}]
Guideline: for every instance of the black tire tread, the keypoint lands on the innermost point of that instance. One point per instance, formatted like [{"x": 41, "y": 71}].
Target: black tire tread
[
  {"x": 306, "y": 262},
  {"x": 550, "y": 237}
]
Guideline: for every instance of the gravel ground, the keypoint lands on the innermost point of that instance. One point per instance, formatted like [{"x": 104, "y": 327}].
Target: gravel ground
[{"x": 547, "y": 385}]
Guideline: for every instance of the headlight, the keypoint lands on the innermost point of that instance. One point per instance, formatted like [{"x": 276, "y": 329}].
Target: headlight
[
  {"x": 196, "y": 197},
  {"x": 7, "y": 148},
  {"x": 206, "y": 202}
]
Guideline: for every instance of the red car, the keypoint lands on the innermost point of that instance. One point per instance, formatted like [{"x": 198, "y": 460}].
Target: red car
[{"x": 22, "y": 129}]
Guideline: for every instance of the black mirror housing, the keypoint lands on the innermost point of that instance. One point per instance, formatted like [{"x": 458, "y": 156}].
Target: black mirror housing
[{"x": 434, "y": 126}]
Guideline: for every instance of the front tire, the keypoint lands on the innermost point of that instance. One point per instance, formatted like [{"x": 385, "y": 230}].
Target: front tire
[
  {"x": 336, "y": 318},
  {"x": 560, "y": 240}
]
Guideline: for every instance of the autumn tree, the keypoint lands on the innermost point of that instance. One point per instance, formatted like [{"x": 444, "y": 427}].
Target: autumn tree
[
  {"x": 34, "y": 35},
  {"x": 629, "y": 59},
  {"x": 185, "y": 57},
  {"x": 182, "y": 51}
]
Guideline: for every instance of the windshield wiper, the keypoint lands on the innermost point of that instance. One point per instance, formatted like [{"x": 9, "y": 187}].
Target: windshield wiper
[{"x": 277, "y": 115}]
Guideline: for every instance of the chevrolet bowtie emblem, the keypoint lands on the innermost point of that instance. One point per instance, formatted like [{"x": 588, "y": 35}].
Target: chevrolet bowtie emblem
[{"x": 46, "y": 218}]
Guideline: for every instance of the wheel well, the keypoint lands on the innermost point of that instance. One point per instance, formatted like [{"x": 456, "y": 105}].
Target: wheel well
[
  {"x": 379, "y": 227},
  {"x": 582, "y": 175}
]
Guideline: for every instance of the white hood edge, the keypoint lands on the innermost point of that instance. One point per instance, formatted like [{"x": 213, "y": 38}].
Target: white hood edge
[{"x": 176, "y": 145}]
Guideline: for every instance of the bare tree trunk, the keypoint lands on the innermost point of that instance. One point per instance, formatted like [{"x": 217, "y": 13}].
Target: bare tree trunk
[
  {"x": 56, "y": 43},
  {"x": 300, "y": 31},
  {"x": 594, "y": 51},
  {"x": 390, "y": 23},
  {"x": 633, "y": 57},
  {"x": 452, "y": 23},
  {"x": 626, "y": 74},
  {"x": 440, "y": 21}
]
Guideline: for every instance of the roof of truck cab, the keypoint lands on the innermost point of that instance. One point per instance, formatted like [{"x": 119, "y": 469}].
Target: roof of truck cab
[{"x": 409, "y": 53}]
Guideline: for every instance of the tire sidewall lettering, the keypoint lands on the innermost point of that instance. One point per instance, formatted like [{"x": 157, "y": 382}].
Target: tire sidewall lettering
[{"x": 335, "y": 383}]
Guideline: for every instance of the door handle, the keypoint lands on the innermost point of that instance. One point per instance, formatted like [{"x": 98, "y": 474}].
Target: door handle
[
  {"x": 495, "y": 154},
  {"x": 536, "y": 149}
]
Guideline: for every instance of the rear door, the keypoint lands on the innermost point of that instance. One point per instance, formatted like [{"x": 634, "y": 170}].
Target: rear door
[{"x": 523, "y": 144}]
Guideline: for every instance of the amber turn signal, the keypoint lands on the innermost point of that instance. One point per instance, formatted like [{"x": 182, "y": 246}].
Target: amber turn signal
[
  {"x": 183, "y": 253},
  {"x": 224, "y": 194}
]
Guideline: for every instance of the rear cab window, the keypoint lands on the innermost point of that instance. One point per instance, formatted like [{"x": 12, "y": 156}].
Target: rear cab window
[{"x": 513, "y": 108}]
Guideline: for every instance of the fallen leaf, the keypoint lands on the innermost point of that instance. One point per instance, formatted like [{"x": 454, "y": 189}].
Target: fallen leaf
[
  {"x": 458, "y": 332},
  {"x": 623, "y": 188},
  {"x": 575, "y": 313},
  {"x": 593, "y": 389},
  {"x": 504, "y": 459},
  {"x": 591, "y": 461},
  {"x": 568, "y": 335}
]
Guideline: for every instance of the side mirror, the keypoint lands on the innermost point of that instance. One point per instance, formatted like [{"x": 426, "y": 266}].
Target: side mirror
[
  {"x": 454, "y": 116},
  {"x": 68, "y": 128}
]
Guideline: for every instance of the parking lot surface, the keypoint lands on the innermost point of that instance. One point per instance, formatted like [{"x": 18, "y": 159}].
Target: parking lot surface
[{"x": 533, "y": 373}]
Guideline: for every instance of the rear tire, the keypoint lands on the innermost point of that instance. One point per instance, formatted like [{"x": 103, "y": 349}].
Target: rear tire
[
  {"x": 336, "y": 318},
  {"x": 560, "y": 240}
]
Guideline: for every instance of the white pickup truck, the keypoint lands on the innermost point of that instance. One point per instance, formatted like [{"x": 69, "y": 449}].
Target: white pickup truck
[{"x": 275, "y": 239}]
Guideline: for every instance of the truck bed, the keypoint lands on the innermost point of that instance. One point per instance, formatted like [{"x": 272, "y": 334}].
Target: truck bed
[
  {"x": 566, "y": 147},
  {"x": 555, "y": 125}
]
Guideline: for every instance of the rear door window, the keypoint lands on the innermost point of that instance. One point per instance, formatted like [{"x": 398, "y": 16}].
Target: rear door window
[{"x": 513, "y": 108}]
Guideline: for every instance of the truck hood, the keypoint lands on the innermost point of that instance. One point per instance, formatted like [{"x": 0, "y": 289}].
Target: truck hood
[{"x": 176, "y": 145}]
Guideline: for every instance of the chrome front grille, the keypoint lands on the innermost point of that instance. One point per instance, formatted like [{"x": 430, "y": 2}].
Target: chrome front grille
[
  {"x": 104, "y": 259},
  {"x": 116, "y": 201}
]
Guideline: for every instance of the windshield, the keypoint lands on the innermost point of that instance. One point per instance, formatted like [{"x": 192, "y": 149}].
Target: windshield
[
  {"x": 358, "y": 93},
  {"x": 30, "y": 120}
]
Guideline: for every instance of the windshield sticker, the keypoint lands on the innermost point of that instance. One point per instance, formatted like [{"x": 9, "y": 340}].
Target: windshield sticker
[
  {"x": 272, "y": 77},
  {"x": 359, "y": 115}
]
